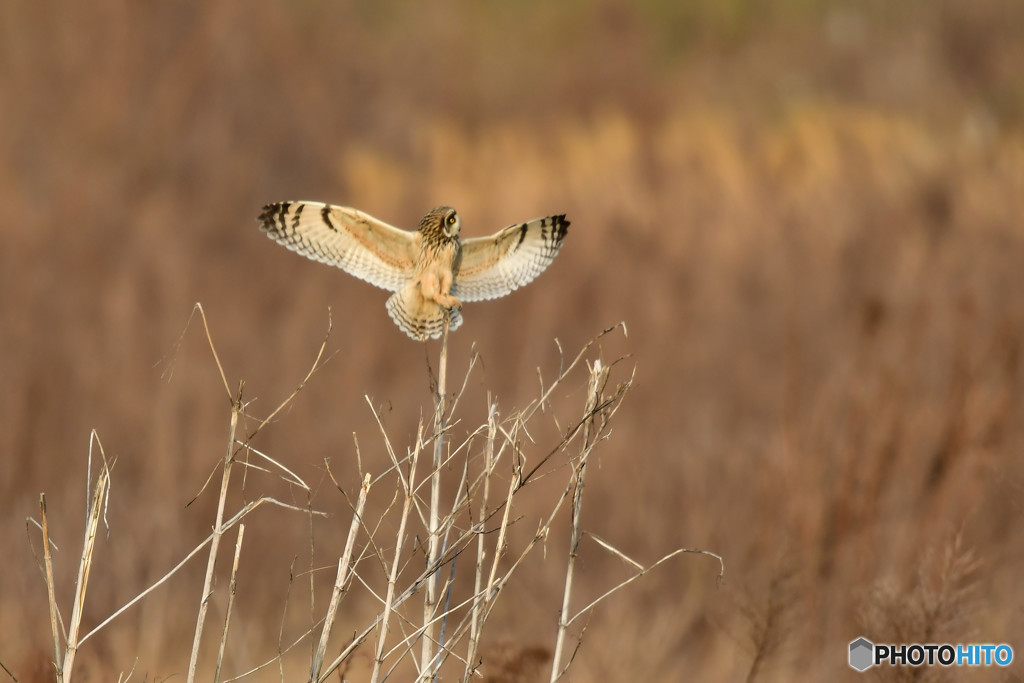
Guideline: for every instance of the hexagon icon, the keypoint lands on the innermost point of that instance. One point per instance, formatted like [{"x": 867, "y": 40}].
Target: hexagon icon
[{"x": 862, "y": 653}]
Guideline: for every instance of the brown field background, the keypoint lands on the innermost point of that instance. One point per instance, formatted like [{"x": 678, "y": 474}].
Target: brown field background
[{"x": 808, "y": 213}]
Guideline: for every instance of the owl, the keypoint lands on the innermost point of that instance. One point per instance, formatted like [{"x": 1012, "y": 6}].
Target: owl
[{"x": 431, "y": 271}]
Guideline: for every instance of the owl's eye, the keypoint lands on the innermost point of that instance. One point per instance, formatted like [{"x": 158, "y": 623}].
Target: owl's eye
[{"x": 451, "y": 219}]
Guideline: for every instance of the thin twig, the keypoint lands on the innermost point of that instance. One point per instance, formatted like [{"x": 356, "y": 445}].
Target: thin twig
[
  {"x": 8, "y": 672},
  {"x": 481, "y": 553},
  {"x": 316, "y": 366},
  {"x": 276, "y": 658},
  {"x": 198, "y": 307},
  {"x": 312, "y": 571},
  {"x": 399, "y": 544},
  {"x": 241, "y": 514},
  {"x": 84, "y": 567},
  {"x": 564, "y": 372},
  {"x": 645, "y": 570},
  {"x": 48, "y": 562},
  {"x": 340, "y": 583},
  {"x": 292, "y": 478},
  {"x": 233, "y": 586},
  {"x": 284, "y": 616},
  {"x": 218, "y": 530},
  {"x": 598, "y": 377}
]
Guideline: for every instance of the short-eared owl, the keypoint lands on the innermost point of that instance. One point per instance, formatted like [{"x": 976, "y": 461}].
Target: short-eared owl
[{"x": 431, "y": 271}]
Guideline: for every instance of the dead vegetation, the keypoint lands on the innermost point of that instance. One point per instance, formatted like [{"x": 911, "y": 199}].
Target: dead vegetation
[
  {"x": 492, "y": 464},
  {"x": 809, "y": 216}
]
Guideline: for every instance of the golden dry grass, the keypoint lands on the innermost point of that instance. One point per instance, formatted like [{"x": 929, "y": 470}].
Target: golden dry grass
[{"x": 812, "y": 222}]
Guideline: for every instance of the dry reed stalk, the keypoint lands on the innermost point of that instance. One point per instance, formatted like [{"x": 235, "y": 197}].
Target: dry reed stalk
[
  {"x": 218, "y": 530},
  {"x": 598, "y": 377},
  {"x": 487, "y": 594},
  {"x": 408, "y": 484},
  {"x": 433, "y": 535},
  {"x": 341, "y": 581},
  {"x": 489, "y": 579},
  {"x": 493, "y": 583},
  {"x": 463, "y": 498},
  {"x": 396, "y": 602},
  {"x": 606, "y": 408},
  {"x": 220, "y": 526},
  {"x": 48, "y": 563},
  {"x": 96, "y": 502},
  {"x": 92, "y": 522},
  {"x": 481, "y": 553},
  {"x": 232, "y": 588},
  {"x": 445, "y": 540}
]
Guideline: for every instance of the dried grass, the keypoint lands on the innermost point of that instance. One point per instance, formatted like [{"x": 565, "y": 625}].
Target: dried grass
[
  {"x": 459, "y": 613},
  {"x": 809, "y": 214}
]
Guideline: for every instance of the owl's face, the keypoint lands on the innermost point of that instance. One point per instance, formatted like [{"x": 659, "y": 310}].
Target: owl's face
[{"x": 441, "y": 223}]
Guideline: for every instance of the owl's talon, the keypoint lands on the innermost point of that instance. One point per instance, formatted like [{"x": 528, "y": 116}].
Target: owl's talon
[{"x": 448, "y": 301}]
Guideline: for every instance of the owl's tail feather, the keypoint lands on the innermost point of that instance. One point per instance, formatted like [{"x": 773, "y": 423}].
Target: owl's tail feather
[{"x": 418, "y": 317}]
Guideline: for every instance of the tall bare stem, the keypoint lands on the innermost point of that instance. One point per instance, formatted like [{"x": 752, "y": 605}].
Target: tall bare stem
[
  {"x": 597, "y": 377},
  {"x": 218, "y": 530},
  {"x": 433, "y": 533}
]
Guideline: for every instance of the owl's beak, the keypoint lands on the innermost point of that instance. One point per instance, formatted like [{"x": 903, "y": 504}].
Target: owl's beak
[{"x": 452, "y": 231}]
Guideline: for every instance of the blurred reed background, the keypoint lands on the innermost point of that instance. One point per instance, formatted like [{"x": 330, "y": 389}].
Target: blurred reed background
[{"x": 809, "y": 214}]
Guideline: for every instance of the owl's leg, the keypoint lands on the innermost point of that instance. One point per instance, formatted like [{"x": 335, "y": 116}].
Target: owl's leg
[
  {"x": 448, "y": 301},
  {"x": 438, "y": 289}
]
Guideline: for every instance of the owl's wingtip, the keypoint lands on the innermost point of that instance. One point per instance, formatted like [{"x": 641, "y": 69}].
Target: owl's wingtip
[
  {"x": 560, "y": 227},
  {"x": 270, "y": 214}
]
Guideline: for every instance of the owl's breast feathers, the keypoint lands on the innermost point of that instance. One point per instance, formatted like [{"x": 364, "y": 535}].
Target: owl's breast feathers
[
  {"x": 422, "y": 307},
  {"x": 439, "y": 251}
]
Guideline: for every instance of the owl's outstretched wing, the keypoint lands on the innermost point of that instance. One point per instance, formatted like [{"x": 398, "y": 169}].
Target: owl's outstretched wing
[
  {"x": 354, "y": 241},
  {"x": 490, "y": 267}
]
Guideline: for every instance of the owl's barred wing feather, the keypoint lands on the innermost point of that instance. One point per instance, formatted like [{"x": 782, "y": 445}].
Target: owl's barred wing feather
[
  {"x": 354, "y": 241},
  {"x": 491, "y": 267}
]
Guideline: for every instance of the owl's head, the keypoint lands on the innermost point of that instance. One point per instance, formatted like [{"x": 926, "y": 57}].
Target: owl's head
[{"x": 441, "y": 223}]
